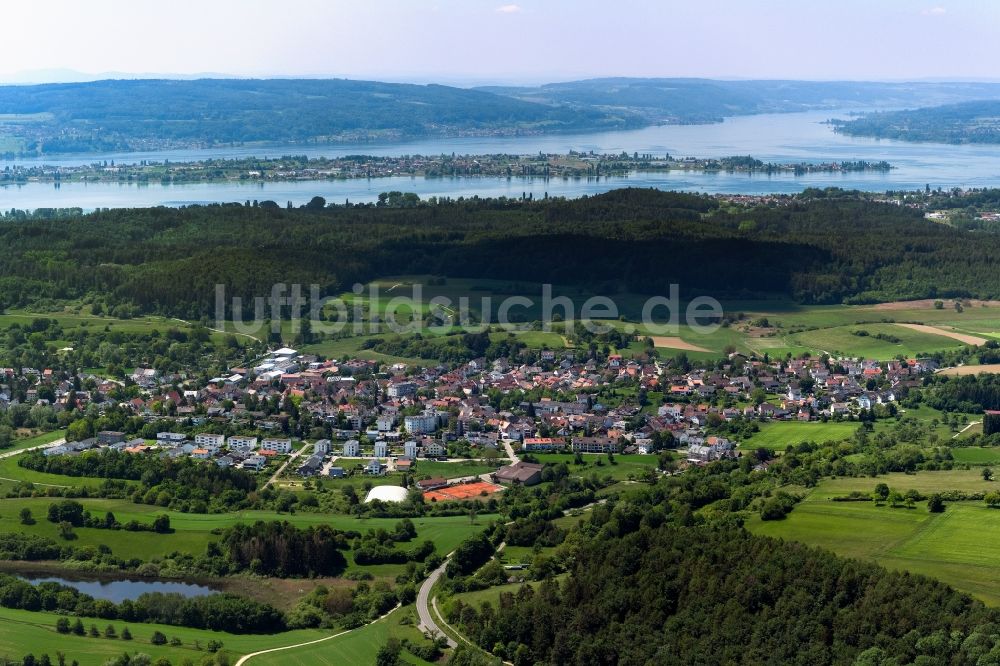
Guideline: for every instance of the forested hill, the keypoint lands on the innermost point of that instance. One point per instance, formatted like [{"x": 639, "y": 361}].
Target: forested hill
[
  {"x": 128, "y": 115},
  {"x": 819, "y": 251},
  {"x": 149, "y": 114},
  {"x": 644, "y": 592},
  {"x": 708, "y": 100},
  {"x": 968, "y": 122}
]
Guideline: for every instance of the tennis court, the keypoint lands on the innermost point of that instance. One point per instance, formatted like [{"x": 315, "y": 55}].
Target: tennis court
[{"x": 461, "y": 491}]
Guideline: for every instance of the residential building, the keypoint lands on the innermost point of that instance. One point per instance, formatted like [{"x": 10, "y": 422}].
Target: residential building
[
  {"x": 522, "y": 473},
  {"x": 595, "y": 445},
  {"x": 277, "y": 444},
  {"x": 107, "y": 437},
  {"x": 242, "y": 443},
  {"x": 410, "y": 450},
  {"x": 209, "y": 441},
  {"x": 421, "y": 424}
]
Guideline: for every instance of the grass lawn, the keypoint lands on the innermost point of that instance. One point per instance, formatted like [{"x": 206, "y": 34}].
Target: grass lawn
[
  {"x": 33, "y": 632},
  {"x": 969, "y": 480},
  {"x": 624, "y": 465},
  {"x": 452, "y": 470},
  {"x": 960, "y": 546},
  {"x": 26, "y": 631},
  {"x": 778, "y": 435},
  {"x": 11, "y": 471},
  {"x": 357, "y": 647},
  {"x": 976, "y": 455},
  {"x": 491, "y": 594},
  {"x": 37, "y": 440}
]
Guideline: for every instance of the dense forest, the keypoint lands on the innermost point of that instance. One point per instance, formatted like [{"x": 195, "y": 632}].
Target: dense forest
[
  {"x": 169, "y": 261},
  {"x": 966, "y": 122},
  {"x": 645, "y": 594}
]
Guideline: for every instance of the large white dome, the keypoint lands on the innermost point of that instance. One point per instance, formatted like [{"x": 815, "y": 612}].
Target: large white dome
[{"x": 387, "y": 494}]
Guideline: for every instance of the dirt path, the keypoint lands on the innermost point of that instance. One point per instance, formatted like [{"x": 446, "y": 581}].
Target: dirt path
[
  {"x": 218, "y": 330},
  {"x": 955, "y": 436},
  {"x": 242, "y": 660},
  {"x": 971, "y": 369},
  {"x": 674, "y": 343},
  {"x": 934, "y": 330}
]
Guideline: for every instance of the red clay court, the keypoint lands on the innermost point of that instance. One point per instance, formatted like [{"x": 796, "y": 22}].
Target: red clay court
[{"x": 461, "y": 491}]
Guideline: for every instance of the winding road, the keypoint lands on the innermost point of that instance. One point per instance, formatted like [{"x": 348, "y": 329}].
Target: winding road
[{"x": 427, "y": 622}]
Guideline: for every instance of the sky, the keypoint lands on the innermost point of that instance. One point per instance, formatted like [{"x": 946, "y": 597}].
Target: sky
[{"x": 503, "y": 41}]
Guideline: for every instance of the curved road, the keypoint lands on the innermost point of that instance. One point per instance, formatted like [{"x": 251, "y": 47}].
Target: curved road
[{"x": 427, "y": 622}]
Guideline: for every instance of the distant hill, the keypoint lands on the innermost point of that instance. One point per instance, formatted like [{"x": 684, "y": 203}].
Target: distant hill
[
  {"x": 968, "y": 122},
  {"x": 151, "y": 114},
  {"x": 148, "y": 114},
  {"x": 707, "y": 100}
]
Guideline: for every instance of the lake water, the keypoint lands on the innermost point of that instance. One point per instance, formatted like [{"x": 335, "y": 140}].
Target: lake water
[
  {"x": 780, "y": 138},
  {"x": 120, "y": 590}
]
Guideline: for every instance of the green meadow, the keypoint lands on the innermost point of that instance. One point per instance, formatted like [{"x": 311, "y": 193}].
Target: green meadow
[
  {"x": 623, "y": 468},
  {"x": 192, "y": 532},
  {"x": 34, "y": 632},
  {"x": 960, "y": 546},
  {"x": 779, "y": 435}
]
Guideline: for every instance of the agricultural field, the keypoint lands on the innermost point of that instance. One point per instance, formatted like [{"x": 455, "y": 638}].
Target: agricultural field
[
  {"x": 792, "y": 329},
  {"x": 896, "y": 341},
  {"x": 960, "y": 546}
]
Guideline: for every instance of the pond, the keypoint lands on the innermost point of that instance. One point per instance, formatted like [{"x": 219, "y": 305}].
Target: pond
[{"x": 118, "y": 590}]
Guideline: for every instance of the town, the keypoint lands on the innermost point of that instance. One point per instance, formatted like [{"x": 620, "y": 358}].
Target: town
[{"x": 417, "y": 424}]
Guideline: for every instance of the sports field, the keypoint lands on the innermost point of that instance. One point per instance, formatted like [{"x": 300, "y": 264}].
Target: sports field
[{"x": 462, "y": 491}]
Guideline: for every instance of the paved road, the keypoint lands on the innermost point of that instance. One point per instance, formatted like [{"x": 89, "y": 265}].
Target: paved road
[
  {"x": 427, "y": 622},
  {"x": 510, "y": 451},
  {"x": 242, "y": 660}
]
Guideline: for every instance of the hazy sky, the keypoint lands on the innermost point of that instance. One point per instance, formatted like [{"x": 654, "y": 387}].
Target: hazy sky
[{"x": 525, "y": 40}]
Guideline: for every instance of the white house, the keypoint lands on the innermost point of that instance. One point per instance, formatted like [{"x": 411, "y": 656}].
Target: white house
[
  {"x": 278, "y": 445},
  {"x": 381, "y": 449},
  {"x": 209, "y": 441},
  {"x": 410, "y": 450},
  {"x": 255, "y": 463},
  {"x": 242, "y": 443},
  {"x": 352, "y": 448}
]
